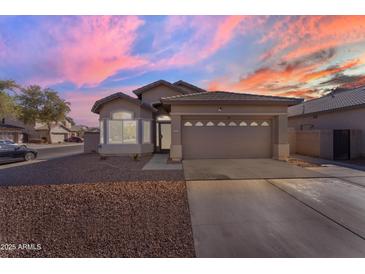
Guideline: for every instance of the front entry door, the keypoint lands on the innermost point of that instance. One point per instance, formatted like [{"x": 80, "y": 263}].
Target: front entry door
[{"x": 164, "y": 136}]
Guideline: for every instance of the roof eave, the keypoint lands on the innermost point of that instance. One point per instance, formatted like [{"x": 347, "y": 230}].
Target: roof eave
[
  {"x": 230, "y": 102},
  {"x": 327, "y": 111}
]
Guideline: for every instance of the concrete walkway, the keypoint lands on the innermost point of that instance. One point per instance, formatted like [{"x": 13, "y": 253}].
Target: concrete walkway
[
  {"x": 160, "y": 162},
  {"x": 225, "y": 169},
  {"x": 282, "y": 218}
]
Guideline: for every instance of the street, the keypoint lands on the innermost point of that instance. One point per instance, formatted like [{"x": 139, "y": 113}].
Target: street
[
  {"x": 48, "y": 152},
  {"x": 58, "y": 151}
]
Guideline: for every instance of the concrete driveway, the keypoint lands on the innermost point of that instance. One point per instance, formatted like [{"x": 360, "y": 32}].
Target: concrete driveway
[
  {"x": 225, "y": 169},
  {"x": 317, "y": 217}
]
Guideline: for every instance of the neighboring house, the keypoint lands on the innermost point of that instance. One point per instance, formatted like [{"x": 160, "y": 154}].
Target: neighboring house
[
  {"x": 191, "y": 123},
  {"x": 78, "y": 130},
  {"x": 37, "y": 132},
  {"x": 59, "y": 132},
  {"x": 338, "y": 121},
  {"x": 11, "y": 132}
]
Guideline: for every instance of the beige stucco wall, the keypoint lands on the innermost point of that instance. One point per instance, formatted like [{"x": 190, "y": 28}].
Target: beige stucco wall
[
  {"x": 91, "y": 141},
  {"x": 155, "y": 94},
  {"x": 277, "y": 114},
  {"x": 139, "y": 114},
  {"x": 119, "y": 104},
  {"x": 345, "y": 119}
]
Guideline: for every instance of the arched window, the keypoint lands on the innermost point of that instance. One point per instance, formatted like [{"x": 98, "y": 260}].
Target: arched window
[
  {"x": 243, "y": 124},
  {"x": 254, "y": 124},
  {"x": 122, "y": 115},
  {"x": 221, "y": 124},
  {"x": 265, "y": 124},
  {"x": 163, "y": 118},
  {"x": 199, "y": 124},
  {"x": 210, "y": 124},
  {"x": 188, "y": 124},
  {"x": 232, "y": 124}
]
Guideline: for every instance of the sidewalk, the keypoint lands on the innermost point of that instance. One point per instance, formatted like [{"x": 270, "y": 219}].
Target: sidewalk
[{"x": 45, "y": 146}]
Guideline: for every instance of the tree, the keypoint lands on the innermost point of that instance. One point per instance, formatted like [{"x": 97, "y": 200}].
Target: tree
[
  {"x": 43, "y": 105},
  {"x": 54, "y": 109},
  {"x": 7, "y": 102},
  {"x": 30, "y": 101}
]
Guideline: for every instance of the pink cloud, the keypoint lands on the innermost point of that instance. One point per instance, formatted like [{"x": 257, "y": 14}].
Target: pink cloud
[
  {"x": 303, "y": 35},
  {"x": 92, "y": 48},
  {"x": 81, "y": 103}
]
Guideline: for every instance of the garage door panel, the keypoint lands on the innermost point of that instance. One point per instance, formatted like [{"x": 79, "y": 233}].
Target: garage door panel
[{"x": 226, "y": 141}]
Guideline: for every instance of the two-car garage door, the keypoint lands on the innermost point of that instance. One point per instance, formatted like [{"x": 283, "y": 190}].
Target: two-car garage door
[{"x": 224, "y": 138}]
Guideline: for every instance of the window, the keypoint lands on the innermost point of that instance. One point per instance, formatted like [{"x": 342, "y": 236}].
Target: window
[
  {"x": 101, "y": 131},
  {"x": 254, "y": 124},
  {"x": 146, "y": 132},
  {"x": 210, "y": 124},
  {"x": 122, "y": 115},
  {"x": 232, "y": 124},
  {"x": 199, "y": 124},
  {"x": 188, "y": 124},
  {"x": 115, "y": 132},
  {"x": 243, "y": 124},
  {"x": 163, "y": 118},
  {"x": 264, "y": 124},
  {"x": 221, "y": 124},
  {"x": 129, "y": 132}
]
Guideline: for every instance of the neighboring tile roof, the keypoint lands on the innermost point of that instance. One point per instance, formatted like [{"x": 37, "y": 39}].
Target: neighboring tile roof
[
  {"x": 230, "y": 97},
  {"x": 6, "y": 126},
  {"x": 330, "y": 102},
  {"x": 120, "y": 95},
  {"x": 187, "y": 86},
  {"x": 45, "y": 127},
  {"x": 145, "y": 88}
]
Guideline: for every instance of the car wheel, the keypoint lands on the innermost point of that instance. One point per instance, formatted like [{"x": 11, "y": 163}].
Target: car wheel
[{"x": 29, "y": 156}]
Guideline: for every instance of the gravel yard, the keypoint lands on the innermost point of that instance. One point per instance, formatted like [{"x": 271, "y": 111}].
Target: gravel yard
[
  {"x": 82, "y": 206},
  {"x": 127, "y": 219},
  {"x": 84, "y": 168}
]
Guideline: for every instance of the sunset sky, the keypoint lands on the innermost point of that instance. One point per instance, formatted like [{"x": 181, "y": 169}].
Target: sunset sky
[{"x": 88, "y": 57}]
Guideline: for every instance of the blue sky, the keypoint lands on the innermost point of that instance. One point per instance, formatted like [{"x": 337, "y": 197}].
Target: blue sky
[{"x": 86, "y": 58}]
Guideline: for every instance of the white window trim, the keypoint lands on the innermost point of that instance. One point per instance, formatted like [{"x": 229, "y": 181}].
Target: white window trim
[
  {"x": 122, "y": 143},
  {"x": 150, "y": 135}
]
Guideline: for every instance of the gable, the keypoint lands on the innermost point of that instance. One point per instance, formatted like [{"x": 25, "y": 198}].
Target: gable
[
  {"x": 154, "y": 94},
  {"x": 120, "y": 104}
]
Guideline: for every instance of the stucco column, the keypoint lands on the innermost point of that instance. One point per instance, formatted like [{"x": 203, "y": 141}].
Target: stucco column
[
  {"x": 280, "y": 138},
  {"x": 176, "y": 146}
]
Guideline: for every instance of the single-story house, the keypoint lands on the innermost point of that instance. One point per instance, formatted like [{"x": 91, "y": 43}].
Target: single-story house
[
  {"x": 331, "y": 126},
  {"x": 12, "y": 133},
  {"x": 191, "y": 123}
]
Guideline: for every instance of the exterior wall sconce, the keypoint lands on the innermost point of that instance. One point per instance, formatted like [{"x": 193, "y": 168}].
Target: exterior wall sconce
[{"x": 219, "y": 109}]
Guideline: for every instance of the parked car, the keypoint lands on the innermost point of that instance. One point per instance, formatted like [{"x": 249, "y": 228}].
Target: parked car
[
  {"x": 74, "y": 139},
  {"x": 12, "y": 153},
  {"x": 10, "y": 143}
]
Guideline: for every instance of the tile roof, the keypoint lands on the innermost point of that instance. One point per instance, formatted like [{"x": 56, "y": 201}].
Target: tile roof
[
  {"x": 120, "y": 95},
  {"x": 231, "y": 97},
  {"x": 333, "y": 101},
  {"x": 6, "y": 126},
  {"x": 187, "y": 86},
  {"x": 145, "y": 88}
]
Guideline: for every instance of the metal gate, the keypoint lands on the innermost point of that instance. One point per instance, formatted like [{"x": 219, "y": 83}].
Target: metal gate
[{"x": 341, "y": 144}]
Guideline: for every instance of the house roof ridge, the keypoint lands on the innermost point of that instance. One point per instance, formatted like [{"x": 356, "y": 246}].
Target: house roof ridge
[
  {"x": 189, "y": 85},
  {"x": 145, "y": 88},
  {"x": 231, "y": 92},
  {"x": 331, "y": 101}
]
